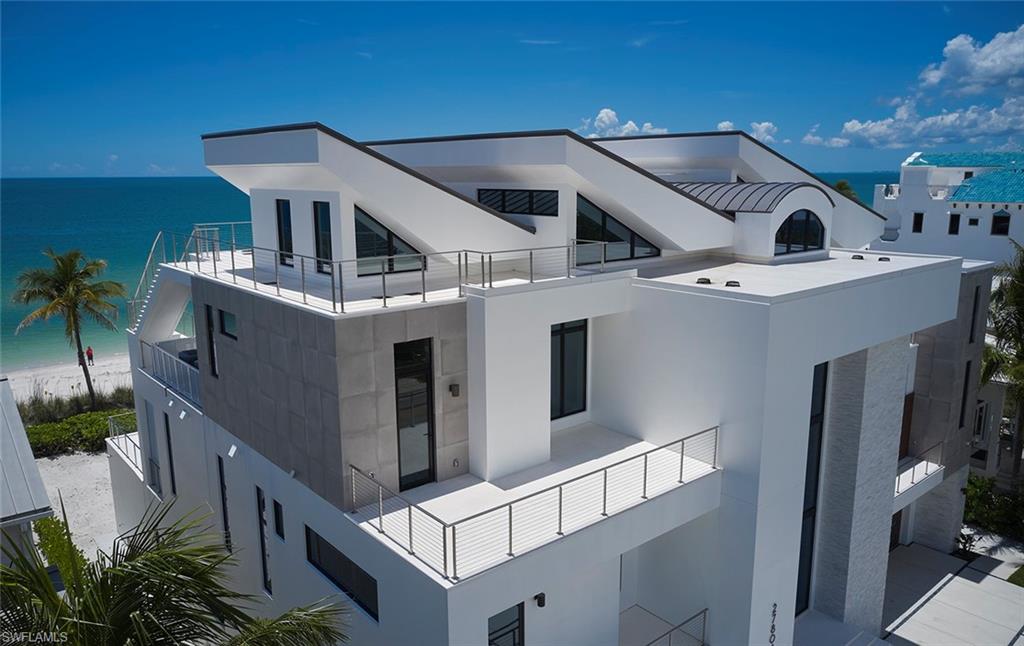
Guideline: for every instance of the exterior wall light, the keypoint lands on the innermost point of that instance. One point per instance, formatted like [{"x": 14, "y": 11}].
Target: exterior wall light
[
  {"x": 541, "y": 599},
  {"x": 453, "y": 389},
  {"x": 233, "y": 450},
  {"x": 183, "y": 414}
]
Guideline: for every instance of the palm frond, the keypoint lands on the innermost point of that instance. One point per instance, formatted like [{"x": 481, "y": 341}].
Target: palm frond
[{"x": 319, "y": 624}]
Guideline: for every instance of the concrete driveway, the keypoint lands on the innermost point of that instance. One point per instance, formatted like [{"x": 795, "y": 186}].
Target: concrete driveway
[{"x": 934, "y": 598}]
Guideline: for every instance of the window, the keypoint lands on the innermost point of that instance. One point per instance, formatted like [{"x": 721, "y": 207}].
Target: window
[
  {"x": 802, "y": 231},
  {"x": 170, "y": 453},
  {"x": 380, "y": 246},
  {"x": 284, "y": 232},
  {"x": 261, "y": 519},
  {"x": 228, "y": 324},
  {"x": 152, "y": 453},
  {"x": 918, "y": 222},
  {"x": 279, "y": 519},
  {"x": 963, "y": 395},
  {"x": 811, "y": 478},
  {"x": 1001, "y": 223},
  {"x": 972, "y": 222},
  {"x": 211, "y": 342},
  {"x": 968, "y": 174},
  {"x": 519, "y": 201},
  {"x": 342, "y": 572},
  {"x": 322, "y": 236},
  {"x": 594, "y": 224},
  {"x": 506, "y": 627},
  {"x": 568, "y": 368},
  {"x": 224, "y": 503},
  {"x": 954, "y": 224},
  {"x": 974, "y": 313}
]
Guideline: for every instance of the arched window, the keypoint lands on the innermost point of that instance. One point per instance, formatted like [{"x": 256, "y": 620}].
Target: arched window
[{"x": 802, "y": 231}]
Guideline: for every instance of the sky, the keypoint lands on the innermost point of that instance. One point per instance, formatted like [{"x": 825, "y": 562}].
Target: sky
[{"x": 126, "y": 89}]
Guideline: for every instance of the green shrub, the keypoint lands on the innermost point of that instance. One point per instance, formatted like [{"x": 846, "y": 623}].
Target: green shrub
[
  {"x": 83, "y": 432},
  {"x": 999, "y": 512},
  {"x": 57, "y": 548},
  {"x": 44, "y": 407}
]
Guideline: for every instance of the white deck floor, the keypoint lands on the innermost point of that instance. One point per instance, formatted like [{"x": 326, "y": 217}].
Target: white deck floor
[{"x": 484, "y": 541}]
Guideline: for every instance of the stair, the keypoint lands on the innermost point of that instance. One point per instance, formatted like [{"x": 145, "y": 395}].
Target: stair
[{"x": 141, "y": 311}]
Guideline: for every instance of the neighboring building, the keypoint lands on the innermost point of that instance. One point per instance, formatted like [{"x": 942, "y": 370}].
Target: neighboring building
[
  {"x": 534, "y": 388},
  {"x": 958, "y": 204},
  {"x": 23, "y": 497}
]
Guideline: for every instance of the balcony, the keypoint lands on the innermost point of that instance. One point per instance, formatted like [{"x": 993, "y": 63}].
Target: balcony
[
  {"x": 917, "y": 475},
  {"x": 123, "y": 435},
  {"x": 354, "y": 285},
  {"x": 463, "y": 526},
  {"x": 173, "y": 363}
]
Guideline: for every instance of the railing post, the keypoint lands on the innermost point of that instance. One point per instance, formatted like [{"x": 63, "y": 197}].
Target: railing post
[
  {"x": 352, "y": 487},
  {"x": 234, "y": 276},
  {"x": 383, "y": 283},
  {"x": 568, "y": 261},
  {"x": 682, "y": 454},
  {"x": 174, "y": 249},
  {"x": 341, "y": 287},
  {"x": 302, "y": 276},
  {"x": 510, "y": 530},
  {"x": 458, "y": 258},
  {"x": 531, "y": 265},
  {"x": 423, "y": 276},
  {"x": 334, "y": 301},
  {"x": 560, "y": 512},
  {"x": 604, "y": 254},
  {"x": 254, "y": 285},
  {"x": 644, "y": 495},
  {"x": 444, "y": 549},
  {"x": 604, "y": 497},
  {"x": 490, "y": 270},
  {"x": 277, "y": 272},
  {"x": 232, "y": 236},
  {"x": 380, "y": 509},
  {"x": 410, "y": 528},
  {"x": 483, "y": 278},
  {"x": 714, "y": 458},
  {"x": 704, "y": 628},
  {"x": 455, "y": 558},
  {"x": 214, "y": 255}
]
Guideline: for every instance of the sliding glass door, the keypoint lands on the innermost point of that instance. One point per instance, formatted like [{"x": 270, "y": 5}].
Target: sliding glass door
[{"x": 414, "y": 400}]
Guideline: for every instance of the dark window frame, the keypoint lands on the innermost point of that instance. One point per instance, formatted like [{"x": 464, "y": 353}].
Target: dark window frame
[
  {"x": 516, "y": 628},
  {"x": 392, "y": 250},
  {"x": 285, "y": 244},
  {"x": 500, "y": 205},
  {"x": 560, "y": 331},
  {"x": 279, "y": 519},
  {"x": 974, "y": 313},
  {"x": 261, "y": 521},
  {"x": 918, "y": 223},
  {"x": 323, "y": 246},
  {"x": 223, "y": 327},
  {"x": 788, "y": 229},
  {"x": 972, "y": 222},
  {"x": 605, "y": 217},
  {"x": 225, "y": 518},
  {"x": 812, "y": 484},
  {"x": 1000, "y": 225},
  {"x": 954, "y": 224},
  {"x": 963, "y": 395},
  {"x": 170, "y": 453},
  {"x": 316, "y": 546},
  {"x": 211, "y": 342}
]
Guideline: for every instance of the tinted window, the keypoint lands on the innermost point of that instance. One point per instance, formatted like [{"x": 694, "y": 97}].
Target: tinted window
[
  {"x": 342, "y": 572},
  {"x": 568, "y": 368},
  {"x": 379, "y": 246},
  {"x": 918, "y": 222},
  {"x": 228, "y": 324},
  {"x": 519, "y": 201},
  {"x": 801, "y": 231},
  {"x": 284, "y": 232},
  {"x": 954, "y": 224},
  {"x": 322, "y": 235},
  {"x": 506, "y": 627},
  {"x": 1000, "y": 225},
  {"x": 595, "y": 225},
  {"x": 279, "y": 519}
]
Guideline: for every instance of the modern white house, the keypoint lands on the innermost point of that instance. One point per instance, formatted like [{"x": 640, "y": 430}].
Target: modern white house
[
  {"x": 961, "y": 204},
  {"x": 531, "y": 388}
]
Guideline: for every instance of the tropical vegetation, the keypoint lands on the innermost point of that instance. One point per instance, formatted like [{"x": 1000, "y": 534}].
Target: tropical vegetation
[{"x": 83, "y": 432}]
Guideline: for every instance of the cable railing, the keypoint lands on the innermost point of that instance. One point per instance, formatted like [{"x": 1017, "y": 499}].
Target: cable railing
[
  {"x": 923, "y": 465},
  {"x": 181, "y": 377},
  {"x": 692, "y": 632},
  {"x": 487, "y": 538},
  {"x": 123, "y": 434}
]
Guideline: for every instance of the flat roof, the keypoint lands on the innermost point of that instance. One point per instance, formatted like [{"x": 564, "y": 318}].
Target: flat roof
[
  {"x": 23, "y": 496},
  {"x": 767, "y": 283}
]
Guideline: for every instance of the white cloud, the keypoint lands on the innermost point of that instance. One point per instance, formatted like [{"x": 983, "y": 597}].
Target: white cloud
[
  {"x": 112, "y": 157},
  {"x": 787, "y": 141},
  {"x": 969, "y": 67},
  {"x": 156, "y": 169},
  {"x": 726, "y": 125},
  {"x": 607, "y": 124},
  {"x": 538, "y": 41},
  {"x": 974, "y": 124},
  {"x": 642, "y": 41},
  {"x": 812, "y": 138},
  {"x": 61, "y": 167},
  {"x": 764, "y": 131}
]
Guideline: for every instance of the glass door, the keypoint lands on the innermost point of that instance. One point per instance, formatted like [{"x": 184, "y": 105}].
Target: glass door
[{"x": 414, "y": 389}]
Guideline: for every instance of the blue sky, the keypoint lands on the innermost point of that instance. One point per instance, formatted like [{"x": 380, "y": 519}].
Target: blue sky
[{"x": 126, "y": 89}]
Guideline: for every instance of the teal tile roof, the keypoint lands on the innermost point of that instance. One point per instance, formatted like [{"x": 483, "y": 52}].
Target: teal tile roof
[
  {"x": 1002, "y": 160},
  {"x": 1005, "y": 185}
]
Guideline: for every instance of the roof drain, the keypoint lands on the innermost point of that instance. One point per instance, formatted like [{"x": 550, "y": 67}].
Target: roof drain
[
  {"x": 883, "y": 259},
  {"x": 732, "y": 283},
  {"x": 703, "y": 281},
  {"x": 857, "y": 256}
]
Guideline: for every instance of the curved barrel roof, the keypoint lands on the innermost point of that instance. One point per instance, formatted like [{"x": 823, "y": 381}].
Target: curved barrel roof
[{"x": 750, "y": 197}]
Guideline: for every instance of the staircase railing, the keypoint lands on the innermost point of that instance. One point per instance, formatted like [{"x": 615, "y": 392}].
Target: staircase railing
[{"x": 157, "y": 255}]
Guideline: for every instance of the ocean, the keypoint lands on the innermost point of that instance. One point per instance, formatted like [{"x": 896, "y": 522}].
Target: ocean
[{"x": 116, "y": 219}]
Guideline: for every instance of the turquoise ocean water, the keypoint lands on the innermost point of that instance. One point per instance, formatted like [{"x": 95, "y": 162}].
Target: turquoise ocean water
[{"x": 117, "y": 219}]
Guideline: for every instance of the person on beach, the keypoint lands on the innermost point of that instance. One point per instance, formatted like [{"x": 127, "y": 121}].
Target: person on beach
[{"x": 88, "y": 355}]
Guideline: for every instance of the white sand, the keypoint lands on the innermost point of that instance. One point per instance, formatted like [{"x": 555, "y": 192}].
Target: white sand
[
  {"x": 83, "y": 482},
  {"x": 67, "y": 379}
]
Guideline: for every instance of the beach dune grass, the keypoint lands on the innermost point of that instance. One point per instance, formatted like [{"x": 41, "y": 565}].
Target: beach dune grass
[
  {"x": 83, "y": 432},
  {"x": 43, "y": 407}
]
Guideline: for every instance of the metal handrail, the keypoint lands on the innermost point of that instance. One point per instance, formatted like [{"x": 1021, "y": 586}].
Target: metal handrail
[
  {"x": 703, "y": 614},
  {"x": 930, "y": 467},
  {"x": 157, "y": 367},
  {"x": 118, "y": 432}
]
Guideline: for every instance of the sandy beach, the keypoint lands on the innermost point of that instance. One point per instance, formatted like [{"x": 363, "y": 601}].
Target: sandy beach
[{"x": 67, "y": 379}]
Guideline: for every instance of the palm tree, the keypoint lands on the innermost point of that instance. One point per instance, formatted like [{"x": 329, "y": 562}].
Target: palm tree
[
  {"x": 70, "y": 289},
  {"x": 846, "y": 189},
  {"x": 162, "y": 583},
  {"x": 1006, "y": 357}
]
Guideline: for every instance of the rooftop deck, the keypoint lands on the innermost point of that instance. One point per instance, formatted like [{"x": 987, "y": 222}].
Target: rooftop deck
[{"x": 465, "y": 525}]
